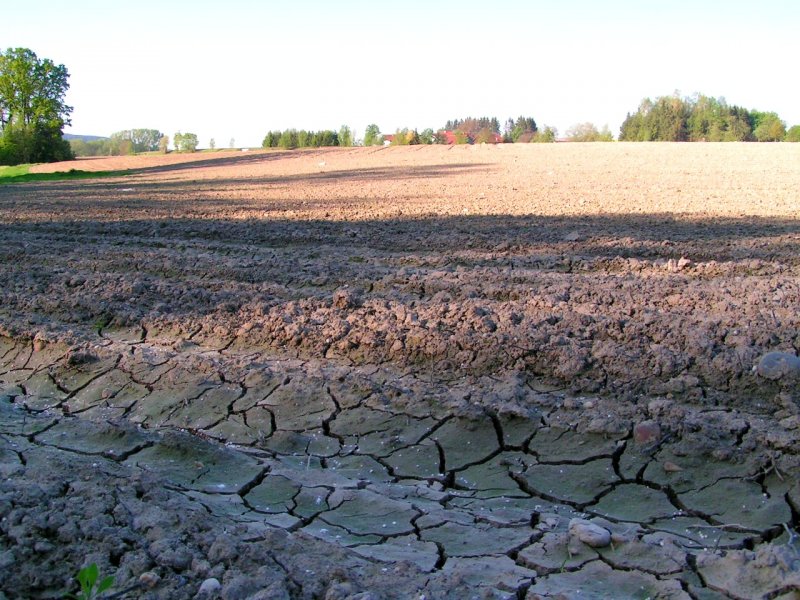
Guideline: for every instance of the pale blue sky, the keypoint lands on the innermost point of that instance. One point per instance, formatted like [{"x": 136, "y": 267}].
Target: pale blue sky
[{"x": 236, "y": 69}]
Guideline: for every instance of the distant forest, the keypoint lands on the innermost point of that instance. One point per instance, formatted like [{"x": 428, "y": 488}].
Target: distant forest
[{"x": 702, "y": 119}]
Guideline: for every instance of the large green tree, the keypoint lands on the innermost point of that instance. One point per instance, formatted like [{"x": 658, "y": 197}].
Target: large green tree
[
  {"x": 345, "y": 136},
  {"x": 33, "y": 112},
  {"x": 185, "y": 142}
]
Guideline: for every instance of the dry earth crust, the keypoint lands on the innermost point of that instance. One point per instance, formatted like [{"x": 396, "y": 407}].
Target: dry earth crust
[{"x": 441, "y": 372}]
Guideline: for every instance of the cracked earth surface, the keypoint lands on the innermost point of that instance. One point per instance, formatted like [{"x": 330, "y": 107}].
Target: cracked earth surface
[{"x": 512, "y": 372}]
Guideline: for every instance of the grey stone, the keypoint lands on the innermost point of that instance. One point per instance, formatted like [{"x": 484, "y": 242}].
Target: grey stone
[
  {"x": 778, "y": 365},
  {"x": 589, "y": 533},
  {"x": 210, "y": 586}
]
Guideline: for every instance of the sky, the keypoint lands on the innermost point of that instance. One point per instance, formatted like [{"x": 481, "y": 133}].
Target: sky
[{"x": 236, "y": 69}]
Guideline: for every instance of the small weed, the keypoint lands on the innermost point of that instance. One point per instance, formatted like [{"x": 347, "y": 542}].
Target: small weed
[
  {"x": 87, "y": 577},
  {"x": 101, "y": 323}
]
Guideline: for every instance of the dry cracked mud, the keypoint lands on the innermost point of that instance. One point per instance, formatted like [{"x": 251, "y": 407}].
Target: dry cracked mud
[{"x": 492, "y": 372}]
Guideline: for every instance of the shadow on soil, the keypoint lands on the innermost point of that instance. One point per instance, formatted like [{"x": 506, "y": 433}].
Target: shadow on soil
[
  {"x": 649, "y": 236},
  {"x": 154, "y": 210},
  {"x": 88, "y": 189}
]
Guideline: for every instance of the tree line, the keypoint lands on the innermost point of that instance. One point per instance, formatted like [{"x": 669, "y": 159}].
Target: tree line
[
  {"x": 289, "y": 139},
  {"x": 701, "y": 118},
  {"x": 128, "y": 141},
  {"x": 469, "y": 130}
]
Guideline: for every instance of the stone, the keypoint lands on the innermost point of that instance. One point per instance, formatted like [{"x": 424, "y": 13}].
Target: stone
[
  {"x": 590, "y": 534},
  {"x": 778, "y": 365},
  {"x": 149, "y": 579},
  {"x": 210, "y": 586},
  {"x": 646, "y": 432}
]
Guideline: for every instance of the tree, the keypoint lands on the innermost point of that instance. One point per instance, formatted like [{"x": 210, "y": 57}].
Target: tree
[
  {"x": 163, "y": 144},
  {"x": 185, "y": 142},
  {"x": 345, "y": 136},
  {"x": 461, "y": 136},
  {"x": 271, "y": 139},
  {"x": 769, "y": 127},
  {"x": 427, "y": 136},
  {"x": 587, "y": 132},
  {"x": 33, "y": 113},
  {"x": 484, "y": 136},
  {"x": 405, "y": 137},
  {"x": 793, "y": 135},
  {"x": 521, "y": 130},
  {"x": 133, "y": 141},
  {"x": 472, "y": 126},
  {"x": 145, "y": 140},
  {"x": 546, "y": 135},
  {"x": 288, "y": 139},
  {"x": 326, "y": 138},
  {"x": 212, "y": 144},
  {"x": 372, "y": 135}
]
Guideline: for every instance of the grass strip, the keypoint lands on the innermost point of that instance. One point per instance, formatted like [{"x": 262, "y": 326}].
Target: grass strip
[{"x": 22, "y": 174}]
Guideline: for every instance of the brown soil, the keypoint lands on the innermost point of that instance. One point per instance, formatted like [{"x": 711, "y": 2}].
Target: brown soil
[{"x": 620, "y": 298}]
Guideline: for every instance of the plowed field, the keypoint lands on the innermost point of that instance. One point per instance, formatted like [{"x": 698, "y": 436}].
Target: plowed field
[{"x": 491, "y": 371}]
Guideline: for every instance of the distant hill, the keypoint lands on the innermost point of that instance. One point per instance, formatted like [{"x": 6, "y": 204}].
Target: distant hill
[{"x": 85, "y": 138}]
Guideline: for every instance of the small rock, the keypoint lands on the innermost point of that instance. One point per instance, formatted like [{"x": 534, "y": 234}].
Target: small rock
[
  {"x": 646, "y": 432},
  {"x": 573, "y": 236},
  {"x": 590, "y": 534},
  {"x": 778, "y": 365},
  {"x": 149, "y": 579},
  {"x": 210, "y": 586},
  {"x": 671, "y": 467},
  {"x": 683, "y": 262}
]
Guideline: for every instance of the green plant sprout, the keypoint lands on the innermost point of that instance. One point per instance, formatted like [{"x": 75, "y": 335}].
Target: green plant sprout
[{"x": 87, "y": 577}]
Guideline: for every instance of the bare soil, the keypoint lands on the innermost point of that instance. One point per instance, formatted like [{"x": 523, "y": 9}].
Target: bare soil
[{"x": 490, "y": 371}]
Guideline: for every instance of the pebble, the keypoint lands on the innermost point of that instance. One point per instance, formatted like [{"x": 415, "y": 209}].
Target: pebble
[
  {"x": 149, "y": 579},
  {"x": 777, "y": 365},
  {"x": 210, "y": 586},
  {"x": 589, "y": 533},
  {"x": 646, "y": 432}
]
